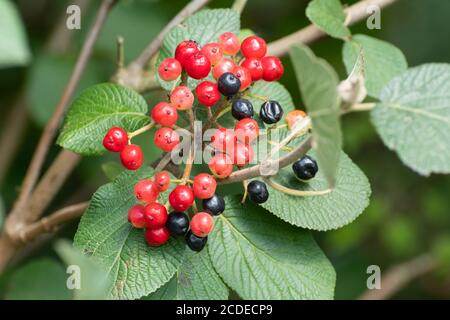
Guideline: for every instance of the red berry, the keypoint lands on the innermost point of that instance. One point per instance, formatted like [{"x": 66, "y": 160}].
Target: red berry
[
  {"x": 229, "y": 43},
  {"x": 166, "y": 139},
  {"x": 155, "y": 215},
  {"x": 246, "y": 130},
  {"x": 182, "y": 98},
  {"x": 224, "y": 66},
  {"x": 253, "y": 47},
  {"x": 136, "y": 216},
  {"x": 202, "y": 224},
  {"x": 221, "y": 165},
  {"x": 169, "y": 69},
  {"x": 272, "y": 68},
  {"x": 162, "y": 180},
  {"x": 198, "y": 66},
  {"x": 207, "y": 93},
  {"x": 115, "y": 139},
  {"x": 244, "y": 76},
  {"x": 184, "y": 50},
  {"x": 132, "y": 157},
  {"x": 293, "y": 116},
  {"x": 157, "y": 237},
  {"x": 164, "y": 114},
  {"x": 146, "y": 190},
  {"x": 204, "y": 186},
  {"x": 181, "y": 198},
  {"x": 255, "y": 67},
  {"x": 213, "y": 52},
  {"x": 243, "y": 154},
  {"x": 223, "y": 139}
]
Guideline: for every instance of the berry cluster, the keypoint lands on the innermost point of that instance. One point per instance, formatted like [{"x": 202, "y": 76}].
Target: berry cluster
[{"x": 234, "y": 66}]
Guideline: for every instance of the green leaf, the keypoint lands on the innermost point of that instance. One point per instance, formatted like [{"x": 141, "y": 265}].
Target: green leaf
[
  {"x": 342, "y": 205},
  {"x": 95, "y": 111},
  {"x": 48, "y": 77},
  {"x": 104, "y": 233},
  {"x": 195, "y": 279},
  {"x": 413, "y": 117},
  {"x": 14, "y": 49},
  {"x": 42, "y": 279},
  {"x": 93, "y": 280},
  {"x": 382, "y": 61},
  {"x": 329, "y": 17},
  {"x": 318, "y": 84},
  {"x": 261, "y": 257},
  {"x": 112, "y": 169},
  {"x": 203, "y": 27}
]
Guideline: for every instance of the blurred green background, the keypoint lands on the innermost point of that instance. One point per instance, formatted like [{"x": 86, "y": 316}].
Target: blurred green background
[{"x": 409, "y": 215}]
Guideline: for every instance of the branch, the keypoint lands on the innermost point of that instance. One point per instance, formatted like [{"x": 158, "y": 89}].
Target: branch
[
  {"x": 239, "y": 5},
  {"x": 53, "y": 124},
  {"x": 399, "y": 276},
  {"x": 53, "y": 221},
  {"x": 282, "y": 162},
  {"x": 355, "y": 13}
]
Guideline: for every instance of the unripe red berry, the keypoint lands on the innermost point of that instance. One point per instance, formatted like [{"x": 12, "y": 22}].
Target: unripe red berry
[
  {"x": 207, "y": 93},
  {"x": 181, "y": 198},
  {"x": 272, "y": 68},
  {"x": 184, "y": 50},
  {"x": 293, "y": 116},
  {"x": 198, "y": 66},
  {"x": 166, "y": 139},
  {"x": 213, "y": 52},
  {"x": 221, "y": 165},
  {"x": 132, "y": 157},
  {"x": 162, "y": 180},
  {"x": 244, "y": 76},
  {"x": 246, "y": 130},
  {"x": 169, "y": 69},
  {"x": 243, "y": 154},
  {"x": 157, "y": 237},
  {"x": 204, "y": 186},
  {"x": 164, "y": 114},
  {"x": 155, "y": 215},
  {"x": 253, "y": 47},
  {"x": 202, "y": 224},
  {"x": 224, "y": 66},
  {"x": 136, "y": 216},
  {"x": 255, "y": 67},
  {"x": 223, "y": 139},
  {"x": 115, "y": 139},
  {"x": 229, "y": 43},
  {"x": 182, "y": 98},
  {"x": 146, "y": 191}
]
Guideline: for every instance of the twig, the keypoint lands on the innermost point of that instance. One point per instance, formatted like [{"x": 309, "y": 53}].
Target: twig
[
  {"x": 399, "y": 276},
  {"x": 282, "y": 162},
  {"x": 356, "y": 12},
  {"x": 53, "y": 221},
  {"x": 239, "y": 5},
  {"x": 120, "y": 53}
]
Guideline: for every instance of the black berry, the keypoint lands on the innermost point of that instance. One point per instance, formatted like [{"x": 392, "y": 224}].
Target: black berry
[
  {"x": 177, "y": 223},
  {"x": 241, "y": 108},
  {"x": 228, "y": 84},
  {"x": 257, "y": 191},
  {"x": 195, "y": 243},
  {"x": 305, "y": 168},
  {"x": 271, "y": 112},
  {"x": 214, "y": 205}
]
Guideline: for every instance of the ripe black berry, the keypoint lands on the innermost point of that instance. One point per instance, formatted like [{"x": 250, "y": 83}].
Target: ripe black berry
[
  {"x": 257, "y": 191},
  {"x": 195, "y": 243},
  {"x": 177, "y": 223},
  {"x": 242, "y": 108},
  {"x": 305, "y": 168},
  {"x": 228, "y": 84},
  {"x": 214, "y": 205},
  {"x": 271, "y": 112}
]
